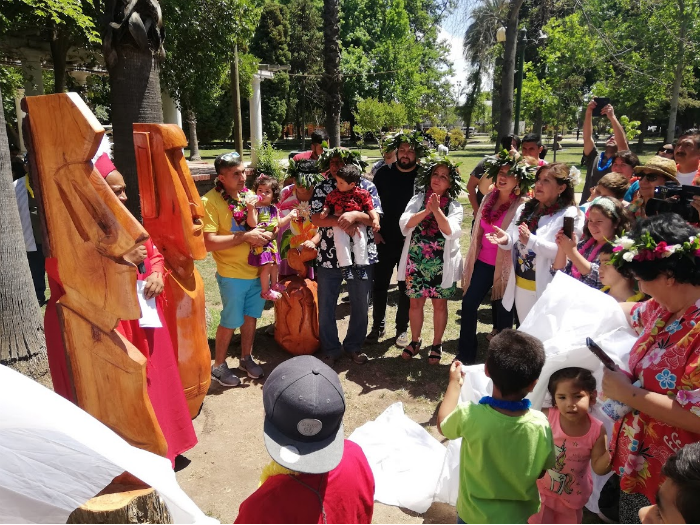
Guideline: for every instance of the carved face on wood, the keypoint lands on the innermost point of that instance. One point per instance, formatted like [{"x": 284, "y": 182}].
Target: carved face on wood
[
  {"x": 171, "y": 208},
  {"x": 89, "y": 229}
]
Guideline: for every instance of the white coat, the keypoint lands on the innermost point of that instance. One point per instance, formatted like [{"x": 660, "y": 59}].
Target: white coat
[
  {"x": 452, "y": 257},
  {"x": 543, "y": 243}
]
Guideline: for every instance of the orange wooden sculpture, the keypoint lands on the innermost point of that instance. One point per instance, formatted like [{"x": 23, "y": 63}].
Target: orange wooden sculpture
[
  {"x": 172, "y": 214},
  {"x": 89, "y": 231},
  {"x": 296, "y": 313}
]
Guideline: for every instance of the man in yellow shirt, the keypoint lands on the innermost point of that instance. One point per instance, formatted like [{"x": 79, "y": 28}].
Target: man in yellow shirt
[{"x": 226, "y": 237}]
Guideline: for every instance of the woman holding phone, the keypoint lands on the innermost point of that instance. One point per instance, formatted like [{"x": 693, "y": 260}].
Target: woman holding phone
[
  {"x": 606, "y": 218},
  {"x": 663, "y": 254},
  {"x": 531, "y": 238}
]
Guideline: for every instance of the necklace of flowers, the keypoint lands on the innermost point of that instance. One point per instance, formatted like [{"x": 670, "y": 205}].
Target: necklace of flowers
[
  {"x": 608, "y": 163},
  {"x": 591, "y": 257},
  {"x": 488, "y": 215},
  {"x": 238, "y": 208},
  {"x": 533, "y": 220},
  {"x": 626, "y": 250}
]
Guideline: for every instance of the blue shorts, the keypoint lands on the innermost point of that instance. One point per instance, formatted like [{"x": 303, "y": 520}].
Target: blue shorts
[{"x": 240, "y": 297}]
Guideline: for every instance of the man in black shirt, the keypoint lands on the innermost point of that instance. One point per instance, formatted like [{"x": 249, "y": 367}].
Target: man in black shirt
[{"x": 395, "y": 186}]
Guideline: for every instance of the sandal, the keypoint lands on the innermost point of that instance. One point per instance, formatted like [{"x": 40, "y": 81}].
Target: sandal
[
  {"x": 435, "y": 354},
  {"x": 411, "y": 350},
  {"x": 279, "y": 287}
]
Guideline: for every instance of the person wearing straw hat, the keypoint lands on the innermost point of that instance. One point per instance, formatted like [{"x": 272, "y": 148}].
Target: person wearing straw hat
[
  {"x": 656, "y": 172},
  {"x": 316, "y": 475}
]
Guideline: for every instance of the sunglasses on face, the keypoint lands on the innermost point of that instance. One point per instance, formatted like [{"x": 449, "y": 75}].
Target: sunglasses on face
[
  {"x": 669, "y": 151},
  {"x": 651, "y": 177}
]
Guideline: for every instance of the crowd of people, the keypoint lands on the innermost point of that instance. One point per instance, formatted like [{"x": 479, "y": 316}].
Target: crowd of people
[{"x": 517, "y": 464}]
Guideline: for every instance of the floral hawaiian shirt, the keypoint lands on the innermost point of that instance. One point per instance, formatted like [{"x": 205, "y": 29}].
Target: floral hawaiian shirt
[
  {"x": 326, "y": 249},
  {"x": 666, "y": 359}
]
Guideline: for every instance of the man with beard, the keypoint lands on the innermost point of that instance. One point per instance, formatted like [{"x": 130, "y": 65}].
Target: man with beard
[
  {"x": 395, "y": 186},
  {"x": 687, "y": 156},
  {"x": 599, "y": 165}
]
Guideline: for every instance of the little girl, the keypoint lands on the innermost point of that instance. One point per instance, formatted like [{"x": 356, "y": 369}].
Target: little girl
[
  {"x": 579, "y": 445},
  {"x": 606, "y": 219},
  {"x": 262, "y": 213}
]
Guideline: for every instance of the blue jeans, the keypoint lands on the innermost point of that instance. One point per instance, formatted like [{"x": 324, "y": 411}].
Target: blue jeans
[
  {"x": 329, "y": 281},
  {"x": 482, "y": 280}
]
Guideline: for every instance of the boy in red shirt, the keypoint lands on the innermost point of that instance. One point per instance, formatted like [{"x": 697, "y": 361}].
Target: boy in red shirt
[{"x": 316, "y": 476}]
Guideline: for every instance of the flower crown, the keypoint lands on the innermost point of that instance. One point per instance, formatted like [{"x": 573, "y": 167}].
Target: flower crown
[
  {"x": 425, "y": 172},
  {"x": 626, "y": 250},
  {"x": 518, "y": 168},
  {"x": 347, "y": 156},
  {"x": 305, "y": 173},
  {"x": 415, "y": 139}
]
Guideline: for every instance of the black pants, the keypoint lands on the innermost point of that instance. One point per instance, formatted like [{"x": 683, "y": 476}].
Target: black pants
[
  {"x": 482, "y": 280},
  {"x": 389, "y": 256},
  {"x": 38, "y": 270}
]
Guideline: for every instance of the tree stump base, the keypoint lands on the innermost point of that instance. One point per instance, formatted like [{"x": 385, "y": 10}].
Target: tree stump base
[{"x": 119, "y": 503}]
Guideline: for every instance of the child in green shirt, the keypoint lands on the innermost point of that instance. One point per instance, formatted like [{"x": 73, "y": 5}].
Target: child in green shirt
[{"x": 506, "y": 446}]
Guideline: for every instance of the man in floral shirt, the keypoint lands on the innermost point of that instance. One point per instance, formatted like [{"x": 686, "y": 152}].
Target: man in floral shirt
[{"x": 329, "y": 275}]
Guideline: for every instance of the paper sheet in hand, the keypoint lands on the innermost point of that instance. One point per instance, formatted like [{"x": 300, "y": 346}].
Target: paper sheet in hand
[
  {"x": 149, "y": 312},
  {"x": 55, "y": 457}
]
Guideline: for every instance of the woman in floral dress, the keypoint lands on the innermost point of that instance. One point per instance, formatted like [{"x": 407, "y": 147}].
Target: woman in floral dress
[
  {"x": 431, "y": 262},
  {"x": 663, "y": 389}
]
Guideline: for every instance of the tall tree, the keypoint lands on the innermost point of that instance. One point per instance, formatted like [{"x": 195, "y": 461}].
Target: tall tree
[
  {"x": 508, "y": 79},
  {"x": 478, "y": 47},
  {"x": 132, "y": 43},
  {"x": 332, "y": 81},
  {"x": 270, "y": 45},
  {"x": 22, "y": 344}
]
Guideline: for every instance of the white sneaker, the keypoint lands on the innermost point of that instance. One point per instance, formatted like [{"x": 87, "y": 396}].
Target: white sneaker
[{"x": 402, "y": 340}]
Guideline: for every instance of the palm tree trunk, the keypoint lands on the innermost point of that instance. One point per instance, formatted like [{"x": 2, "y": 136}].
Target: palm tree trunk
[
  {"x": 22, "y": 344},
  {"x": 508, "y": 80},
  {"x": 678, "y": 78},
  {"x": 332, "y": 82},
  {"x": 135, "y": 95},
  {"x": 194, "y": 142}
]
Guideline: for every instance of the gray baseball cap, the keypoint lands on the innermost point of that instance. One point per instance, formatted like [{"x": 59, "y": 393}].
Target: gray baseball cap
[{"x": 304, "y": 407}]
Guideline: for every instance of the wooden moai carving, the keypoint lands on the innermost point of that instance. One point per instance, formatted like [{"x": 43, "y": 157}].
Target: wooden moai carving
[
  {"x": 172, "y": 214},
  {"x": 296, "y": 314},
  {"x": 88, "y": 232}
]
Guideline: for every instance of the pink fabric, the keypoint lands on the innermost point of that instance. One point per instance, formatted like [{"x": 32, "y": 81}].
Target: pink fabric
[
  {"x": 105, "y": 165},
  {"x": 489, "y": 251},
  {"x": 569, "y": 484},
  {"x": 304, "y": 155},
  {"x": 162, "y": 376}
]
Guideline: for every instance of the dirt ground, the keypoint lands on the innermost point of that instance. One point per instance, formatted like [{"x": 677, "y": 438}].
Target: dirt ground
[{"x": 224, "y": 468}]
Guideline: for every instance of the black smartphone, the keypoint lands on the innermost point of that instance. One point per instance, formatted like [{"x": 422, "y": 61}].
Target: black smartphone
[
  {"x": 600, "y": 103},
  {"x": 568, "y": 226},
  {"x": 600, "y": 354}
]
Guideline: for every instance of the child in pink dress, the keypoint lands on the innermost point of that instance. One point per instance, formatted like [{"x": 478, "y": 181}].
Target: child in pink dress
[{"x": 579, "y": 445}]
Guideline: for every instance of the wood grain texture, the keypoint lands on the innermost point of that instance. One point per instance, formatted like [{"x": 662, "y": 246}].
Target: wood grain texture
[
  {"x": 296, "y": 314},
  {"x": 89, "y": 231},
  {"x": 172, "y": 214},
  {"x": 122, "y": 504}
]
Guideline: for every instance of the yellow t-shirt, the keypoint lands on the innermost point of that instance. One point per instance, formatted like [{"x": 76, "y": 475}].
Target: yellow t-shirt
[{"x": 231, "y": 262}]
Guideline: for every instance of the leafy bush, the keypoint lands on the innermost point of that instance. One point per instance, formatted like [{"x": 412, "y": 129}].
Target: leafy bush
[
  {"x": 438, "y": 135},
  {"x": 267, "y": 163},
  {"x": 457, "y": 139}
]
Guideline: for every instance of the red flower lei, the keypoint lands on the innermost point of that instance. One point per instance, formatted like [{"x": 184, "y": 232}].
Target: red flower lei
[
  {"x": 238, "y": 208},
  {"x": 533, "y": 220},
  {"x": 487, "y": 213}
]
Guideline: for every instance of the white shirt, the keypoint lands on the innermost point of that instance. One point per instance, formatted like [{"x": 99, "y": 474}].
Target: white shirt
[
  {"x": 686, "y": 179},
  {"x": 543, "y": 243}
]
